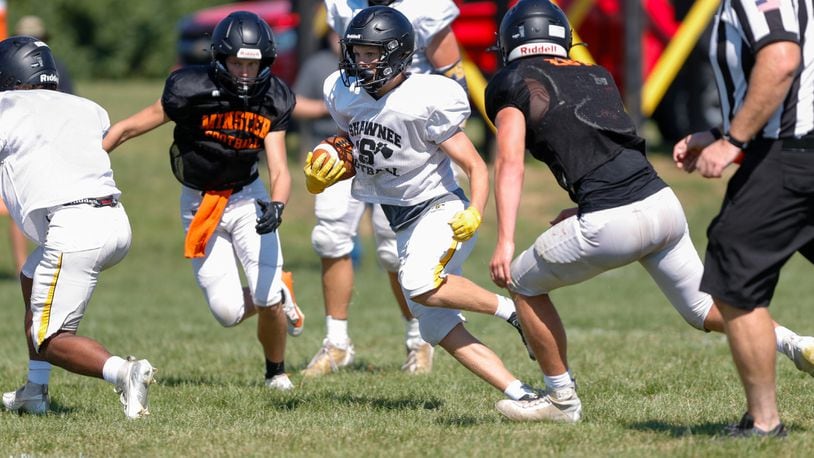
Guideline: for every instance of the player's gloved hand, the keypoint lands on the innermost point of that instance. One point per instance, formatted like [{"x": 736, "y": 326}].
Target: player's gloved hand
[
  {"x": 321, "y": 173},
  {"x": 271, "y": 218},
  {"x": 464, "y": 224}
]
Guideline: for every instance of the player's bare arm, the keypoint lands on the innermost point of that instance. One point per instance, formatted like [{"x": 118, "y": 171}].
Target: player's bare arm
[
  {"x": 307, "y": 108},
  {"x": 444, "y": 54},
  {"x": 509, "y": 172},
  {"x": 137, "y": 124},
  {"x": 279, "y": 175},
  {"x": 443, "y": 49},
  {"x": 461, "y": 150}
]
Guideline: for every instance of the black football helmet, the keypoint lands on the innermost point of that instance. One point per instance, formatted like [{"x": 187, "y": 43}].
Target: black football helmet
[
  {"x": 379, "y": 2},
  {"x": 245, "y": 35},
  {"x": 27, "y": 61},
  {"x": 387, "y": 29},
  {"x": 534, "y": 27}
]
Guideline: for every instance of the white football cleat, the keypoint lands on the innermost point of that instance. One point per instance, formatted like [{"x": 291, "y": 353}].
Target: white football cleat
[
  {"x": 561, "y": 405},
  {"x": 329, "y": 358},
  {"x": 280, "y": 382},
  {"x": 30, "y": 398},
  {"x": 800, "y": 349},
  {"x": 419, "y": 359},
  {"x": 134, "y": 381}
]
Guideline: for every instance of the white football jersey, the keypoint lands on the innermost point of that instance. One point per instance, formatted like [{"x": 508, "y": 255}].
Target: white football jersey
[
  {"x": 50, "y": 154},
  {"x": 427, "y": 16},
  {"x": 396, "y": 138}
]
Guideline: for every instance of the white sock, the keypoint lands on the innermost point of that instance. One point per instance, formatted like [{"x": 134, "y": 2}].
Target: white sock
[
  {"x": 39, "y": 372},
  {"x": 558, "y": 381},
  {"x": 337, "y": 331},
  {"x": 412, "y": 333},
  {"x": 505, "y": 307},
  {"x": 782, "y": 333},
  {"x": 112, "y": 368},
  {"x": 516, "y": 390}
]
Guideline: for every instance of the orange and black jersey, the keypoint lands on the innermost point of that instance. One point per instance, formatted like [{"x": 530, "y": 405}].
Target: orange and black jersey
[
  {"x": 576, "y": 123},
  {"x": 217, "y": 136}
]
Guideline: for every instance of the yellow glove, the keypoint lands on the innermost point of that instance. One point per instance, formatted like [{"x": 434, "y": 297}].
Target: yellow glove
[
  {"x": 322, "y": 173},
  {"x": 464, "y": 224}
]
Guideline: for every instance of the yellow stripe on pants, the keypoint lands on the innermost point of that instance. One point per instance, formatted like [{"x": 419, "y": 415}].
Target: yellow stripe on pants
[
  {"x": 49, "y": 301},
  {"x": 442, "y": 263}
]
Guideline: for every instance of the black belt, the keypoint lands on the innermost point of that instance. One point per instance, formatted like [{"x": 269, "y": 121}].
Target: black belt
[
  {"x": 107, "y": 201},
  {"x": 806, "y": 142}
]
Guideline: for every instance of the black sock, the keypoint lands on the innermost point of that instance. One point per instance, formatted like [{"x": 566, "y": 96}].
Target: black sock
[{"x": 273, "y": 369}]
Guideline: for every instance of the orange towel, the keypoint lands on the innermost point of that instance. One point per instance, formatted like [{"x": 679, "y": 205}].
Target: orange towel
[{"x": 205, "y": 222}]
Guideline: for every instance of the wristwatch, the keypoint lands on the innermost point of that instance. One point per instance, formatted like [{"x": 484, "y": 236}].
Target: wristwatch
[{"x": 735, "y": 142}]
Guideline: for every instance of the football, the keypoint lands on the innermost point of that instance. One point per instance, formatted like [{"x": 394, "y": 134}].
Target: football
[{"x": 340, "y": 148}]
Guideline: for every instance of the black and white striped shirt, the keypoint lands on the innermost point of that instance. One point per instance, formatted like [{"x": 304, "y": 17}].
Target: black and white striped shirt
[{"x": 740, "y": 29}]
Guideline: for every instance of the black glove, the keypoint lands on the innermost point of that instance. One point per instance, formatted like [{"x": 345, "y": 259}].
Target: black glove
[{"x": 271, "y": 218}]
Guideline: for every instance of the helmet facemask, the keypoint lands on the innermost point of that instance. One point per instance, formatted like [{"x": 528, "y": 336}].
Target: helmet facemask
[
  {"x": 386, "y": 29},
  {"x": 246, "y": 36},
  {"x": 245, "y": 87},
  {"x": 374, "y": 75}
]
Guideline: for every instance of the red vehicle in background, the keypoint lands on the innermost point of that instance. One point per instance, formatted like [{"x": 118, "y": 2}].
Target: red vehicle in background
[
  {"x": 690, "y": 104},
  {"x": 195, "y": 29}
]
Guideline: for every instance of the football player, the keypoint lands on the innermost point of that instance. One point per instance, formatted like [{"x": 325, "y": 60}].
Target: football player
[
  {"x": 338, "y": 213},
  {"x": 59, "y": 188},
  {"x": 570, "y": 116},
  {"x": 406, "y": 131},
  {"x": 226, "y": 114}
]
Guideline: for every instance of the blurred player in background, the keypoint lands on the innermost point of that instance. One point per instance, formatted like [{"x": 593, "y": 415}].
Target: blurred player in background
[
  {"x": 338, "y": 213},
  {"x": 226, "y": 114},
  {"x": 570, "y": 115},
  {"x": 57, "y": 181},
  {"x": 406, "y": 131}
]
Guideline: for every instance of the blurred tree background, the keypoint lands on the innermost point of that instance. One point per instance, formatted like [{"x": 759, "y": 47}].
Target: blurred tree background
[{"x": 109, "y": 39}]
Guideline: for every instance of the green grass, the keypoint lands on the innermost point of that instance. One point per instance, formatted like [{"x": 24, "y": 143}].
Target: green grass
[{"x": 650, "y": 384}]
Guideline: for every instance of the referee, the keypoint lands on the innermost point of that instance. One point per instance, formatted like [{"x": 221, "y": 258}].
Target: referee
[{"x": 762, "y": 53}]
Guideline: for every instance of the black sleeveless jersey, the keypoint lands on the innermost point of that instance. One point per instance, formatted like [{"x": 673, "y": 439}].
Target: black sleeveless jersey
[
  {"x": 217, "y": 136},
  {"x": 576, "y": 123}
]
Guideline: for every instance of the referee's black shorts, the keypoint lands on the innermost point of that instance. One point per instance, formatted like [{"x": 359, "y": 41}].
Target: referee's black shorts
[{"x": 767, "y": 215}]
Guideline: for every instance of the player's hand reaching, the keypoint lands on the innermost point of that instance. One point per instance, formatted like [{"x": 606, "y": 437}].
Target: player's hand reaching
[
  {"x": 500, "y": 267},
  {"x": 321, "y": 173},
  {"x": 686, "y": 151},
  {"x": 564, "y": 214},
  {"x": 464, "y": 224},
  {"x": 271, "y": 217}
]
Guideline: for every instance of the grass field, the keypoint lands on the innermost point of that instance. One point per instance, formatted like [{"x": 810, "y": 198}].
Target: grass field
[{"x": 650, "y": 384}]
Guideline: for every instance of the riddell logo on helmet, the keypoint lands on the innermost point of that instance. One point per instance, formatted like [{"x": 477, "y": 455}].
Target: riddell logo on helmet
[
  {"x": 539, "y": 48},
  {"x": 536, "y": 49},
  {"x": 248, "y": 53},
  {"x": 49, "y": 78}
]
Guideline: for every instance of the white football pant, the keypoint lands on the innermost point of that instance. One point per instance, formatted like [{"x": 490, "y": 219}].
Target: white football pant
[
  {"x": 428, "y": 253},
  {"x": 652, "y": 231},
  {"x": 235, "y": 237},
  {"x": 82, "y": 241},
  {"x": 338, "y": 216}
]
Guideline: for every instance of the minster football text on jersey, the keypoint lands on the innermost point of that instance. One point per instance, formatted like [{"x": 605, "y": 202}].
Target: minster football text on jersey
[
  {"x": 253, "y": 123},
  {"x": 372, "y": 129}
]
